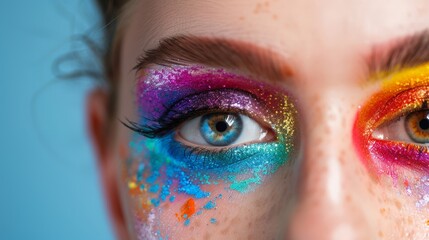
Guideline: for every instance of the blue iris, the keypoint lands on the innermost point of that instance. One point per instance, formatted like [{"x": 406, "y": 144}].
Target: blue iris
[{"x": 221, "y": 129}]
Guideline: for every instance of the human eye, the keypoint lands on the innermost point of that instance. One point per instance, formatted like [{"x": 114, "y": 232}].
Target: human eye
[
  {"x": 412, "y": 127},
  {"x": 395, "y": 123},
  {"x": 223, "y": 129},
  {"x": 202, "y": 127}
]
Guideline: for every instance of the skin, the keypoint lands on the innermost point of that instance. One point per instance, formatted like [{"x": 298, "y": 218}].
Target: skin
[{"x": 327, "y": 192}]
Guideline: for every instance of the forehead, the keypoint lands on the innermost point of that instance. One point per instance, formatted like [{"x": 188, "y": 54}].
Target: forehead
[{"x": 303, "y": 31}]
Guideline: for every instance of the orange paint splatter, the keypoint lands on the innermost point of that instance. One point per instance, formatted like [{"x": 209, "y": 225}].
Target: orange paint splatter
[
  {"x": 187, "y": 210},
  {"x": 134, "y": 189},
  {"x": 143, "y": 206}
]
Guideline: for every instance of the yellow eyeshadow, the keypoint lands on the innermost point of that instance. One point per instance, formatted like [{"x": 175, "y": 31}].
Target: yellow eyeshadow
[{"x": 406, "y": 79}]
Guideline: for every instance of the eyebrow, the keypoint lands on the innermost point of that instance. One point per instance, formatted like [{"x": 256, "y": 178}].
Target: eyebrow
[
  {"x": 217, "y": 52},
  {"x": 409, "y": 51},
  {"x": 383, "y": 59}
]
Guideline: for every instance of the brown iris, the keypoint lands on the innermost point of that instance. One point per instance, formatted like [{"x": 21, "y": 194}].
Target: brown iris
[{"x": 417, "y": 126}]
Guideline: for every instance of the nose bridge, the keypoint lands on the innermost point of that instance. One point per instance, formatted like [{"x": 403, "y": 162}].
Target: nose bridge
[
  {"x": 330, "y": 181},
  {"x": 327, "y": 157}
]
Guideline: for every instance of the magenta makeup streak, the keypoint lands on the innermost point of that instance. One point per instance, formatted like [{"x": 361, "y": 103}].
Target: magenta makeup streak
[
  {"x": 415, "y": 156},
  {"x": 155, "y": 91}
]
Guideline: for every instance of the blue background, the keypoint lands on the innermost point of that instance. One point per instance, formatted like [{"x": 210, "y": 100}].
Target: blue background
[{"x": 49, "y": 185}]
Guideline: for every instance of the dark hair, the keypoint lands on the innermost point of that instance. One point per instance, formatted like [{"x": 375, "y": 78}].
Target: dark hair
[
  {"x": 104, "y": 51},
  {"x": 110, "y": 11}
]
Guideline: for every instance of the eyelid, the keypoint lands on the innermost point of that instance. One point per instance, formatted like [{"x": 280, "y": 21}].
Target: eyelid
[
  {"x": 392, "y": 85},
  {"x": 209, "y": 101},
  {"x": 386, "y": 110}
]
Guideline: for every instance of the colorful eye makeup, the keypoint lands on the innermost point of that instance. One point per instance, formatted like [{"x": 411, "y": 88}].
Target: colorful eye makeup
[
  {"x": 402, "y": 99},
  {"x": 201, "y": 129},
  {"x": 391, "y": 129}
]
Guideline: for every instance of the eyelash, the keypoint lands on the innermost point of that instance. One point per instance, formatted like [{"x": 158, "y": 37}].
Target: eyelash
[
  {"x": 423, "y": 106},
  {"x": 165, "y": 125},
  {"x": 171, "y": 118},
  {"x": 387, "y": 114}
]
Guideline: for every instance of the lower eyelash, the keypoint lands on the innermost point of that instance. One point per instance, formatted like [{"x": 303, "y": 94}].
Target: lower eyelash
[
  {"x": 199, "y": 158},
  {"x": 144, "y": 130}
]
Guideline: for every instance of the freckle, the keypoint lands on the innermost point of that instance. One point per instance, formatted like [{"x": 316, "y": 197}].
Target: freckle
[
  {"x": 197, "y": 223},
  {"x": 207, "y": 236},
  {"x": 380, "y": 234},
  {"x": 348, "y": 198},
  {"x": 224, "y": 231},
  {"x": 343, "y": 161},
  {"x": 398, "y": 204},
  {"x": 410, "y": 220},
  {"x": 370, "y": 189},
  {"x": 382, "y": 211},
  {"x": 257, "y": 8},
  {"x": 316, "y": 98},
  {"x": 241, "y": 18},
  {"x": 274, "y": 16},
  {"x": 234, "y": 220},
  {"x": 427, "y": 222}
]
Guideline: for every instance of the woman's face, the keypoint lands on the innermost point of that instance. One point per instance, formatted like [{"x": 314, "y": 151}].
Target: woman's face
[{"x": 282, "y": 119}]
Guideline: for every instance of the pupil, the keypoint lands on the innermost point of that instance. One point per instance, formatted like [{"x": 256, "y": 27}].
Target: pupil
[
  {"x": 424, "y": 124},
  {"x": 222, "y": 126}
]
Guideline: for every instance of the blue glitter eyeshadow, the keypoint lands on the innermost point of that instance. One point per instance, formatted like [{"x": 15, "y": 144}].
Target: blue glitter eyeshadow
[
  {"x": 155, "y": 202},
  {"x": 154, "y": 188},
  {"x": 210, "y": 205},
  {"x": 139, "y": 174},
  {"x": 187, "y": 222},
  {"x": 171, "y": 162}
]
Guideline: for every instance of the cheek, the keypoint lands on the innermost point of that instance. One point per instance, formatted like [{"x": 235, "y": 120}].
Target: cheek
[
  {"x": 256, "y": 214},
  {"x": 163, "y": 205}
]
